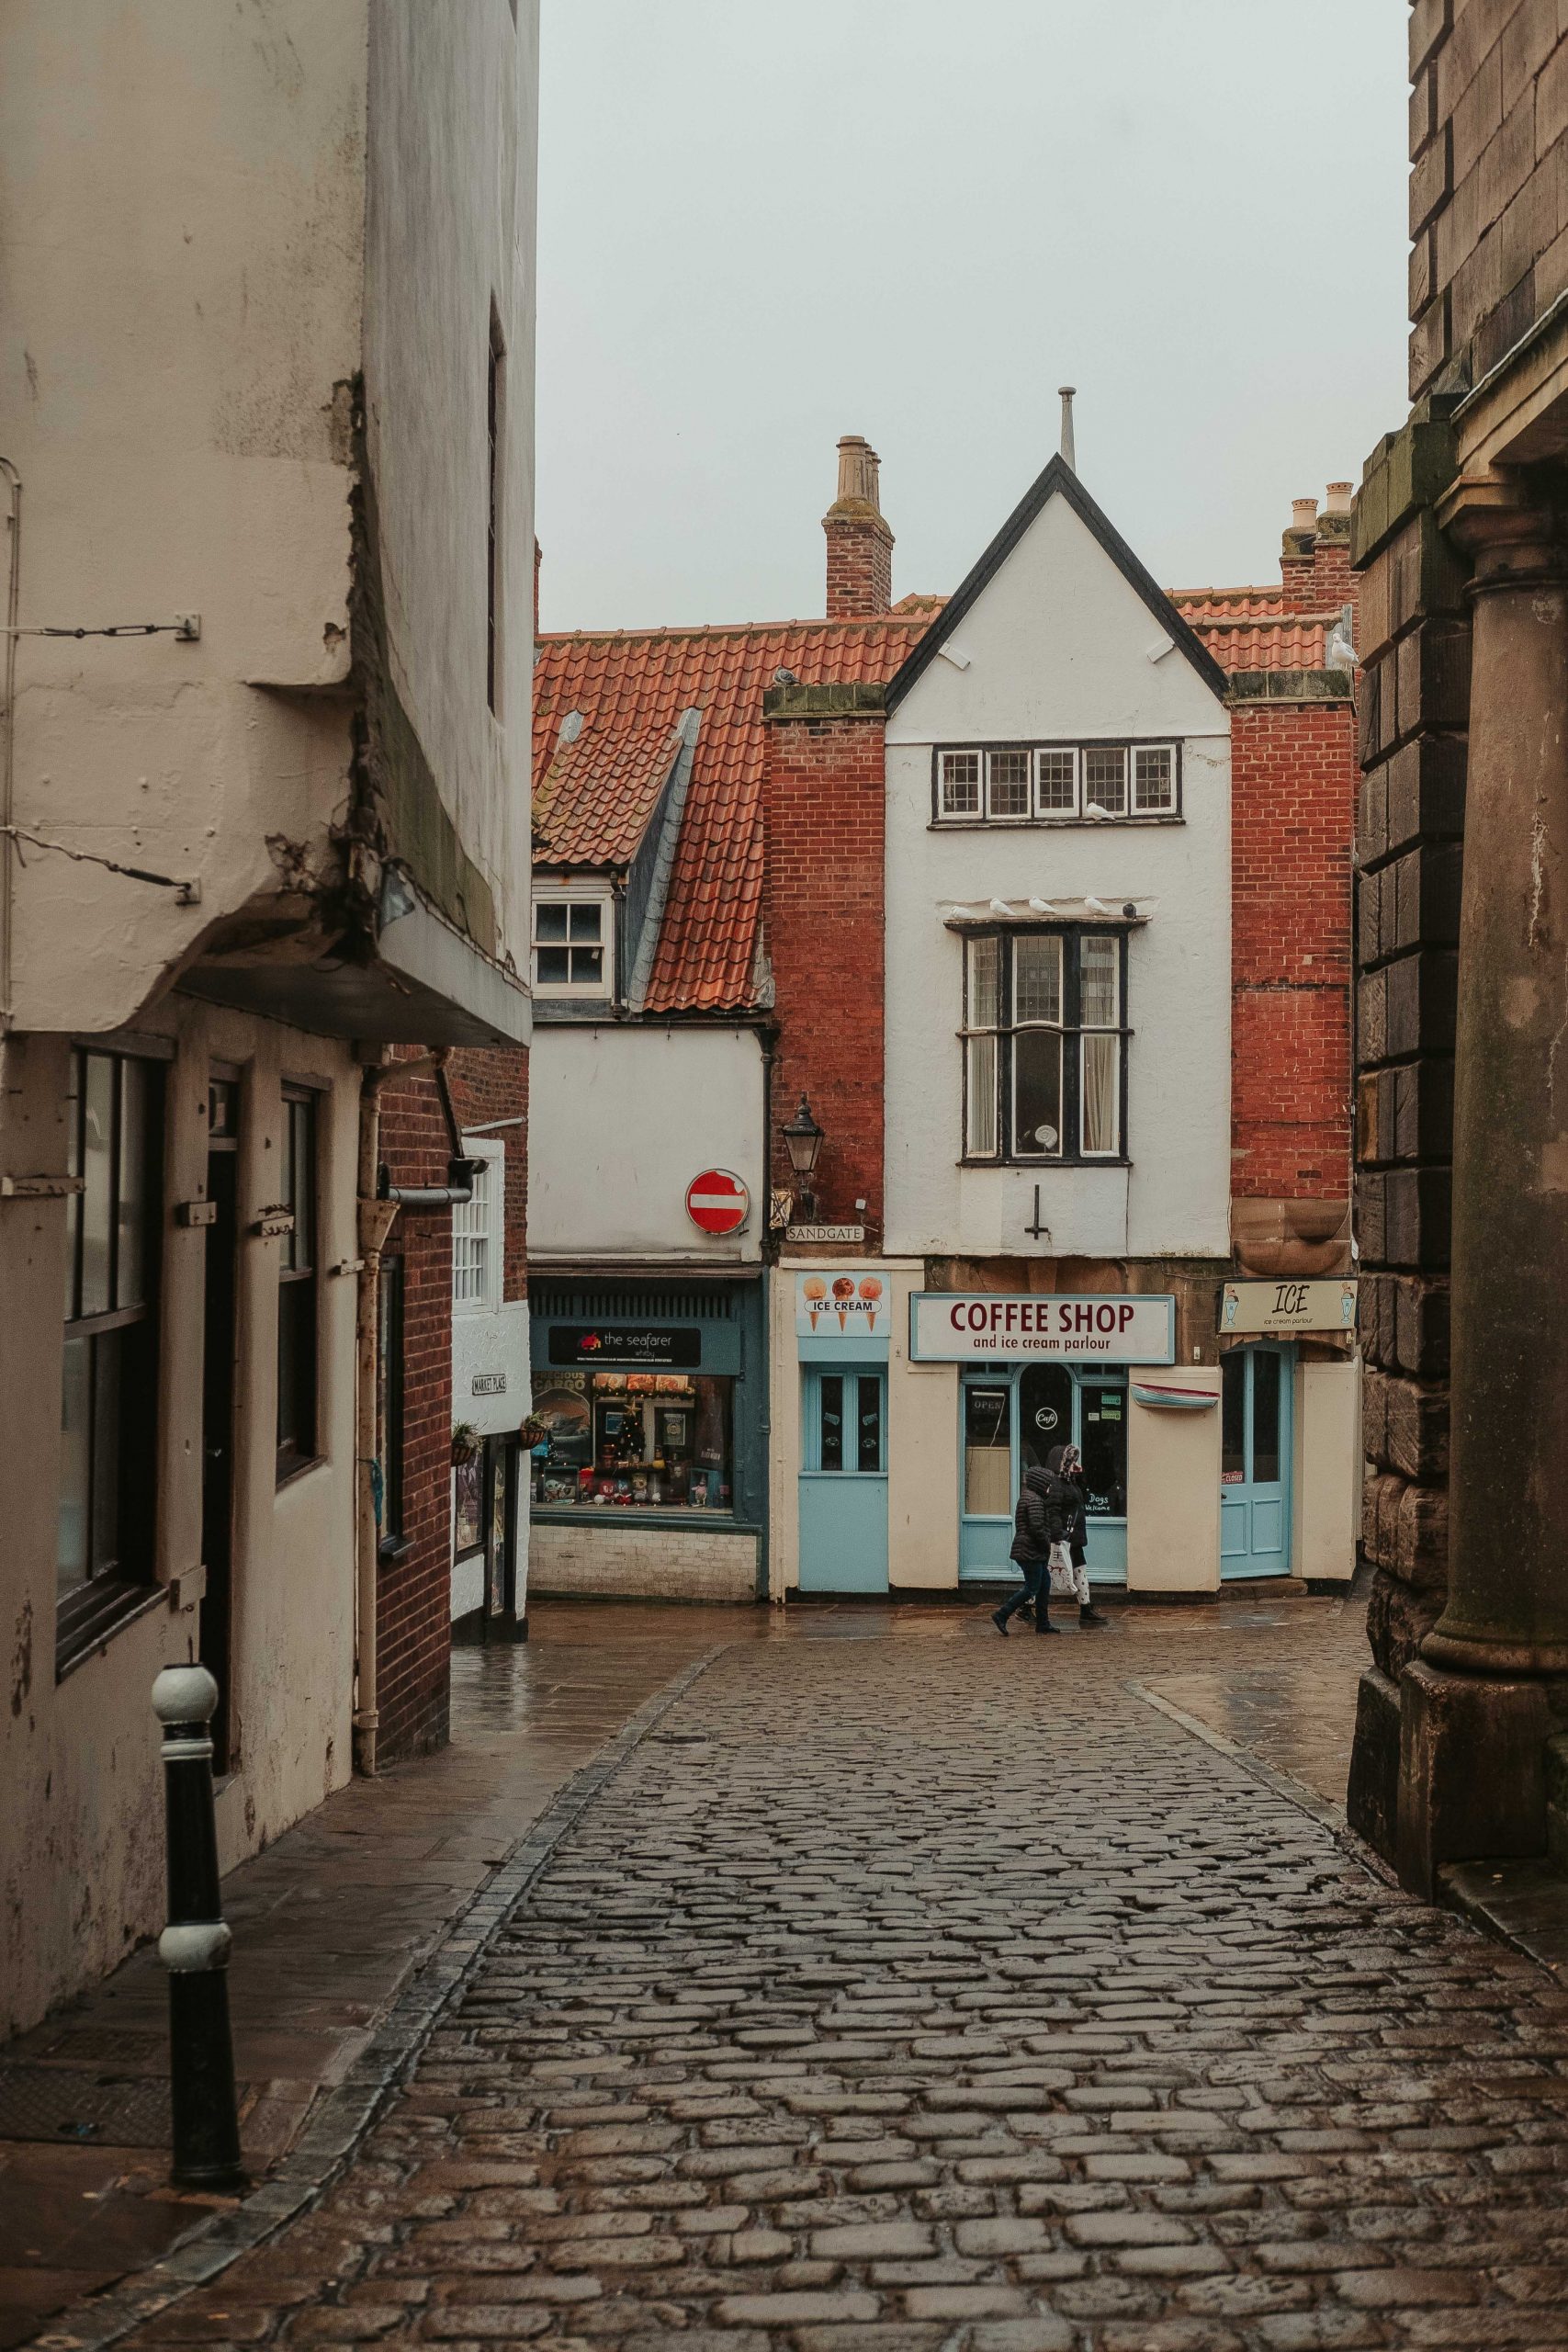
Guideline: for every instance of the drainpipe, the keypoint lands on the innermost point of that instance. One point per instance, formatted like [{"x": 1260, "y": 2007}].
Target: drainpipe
[
  {"x": 8, "y": 737},
  {"x": 376, "y": 1217}
]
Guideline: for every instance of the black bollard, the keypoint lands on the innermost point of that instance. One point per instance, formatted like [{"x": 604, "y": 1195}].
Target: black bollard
[{"x": 194, "y": 1947}]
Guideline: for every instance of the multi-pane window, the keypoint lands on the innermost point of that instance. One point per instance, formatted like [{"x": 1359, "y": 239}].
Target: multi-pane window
[
  {"x": 572, "y": 946},
  {"x": 1044, "y": 1043},
  {"x": 475, "y": 1240},
  {"x": 1057, "y": 783},
  {"x": 298, "y": 1286},
  {"x": 109, "y": 1398}
]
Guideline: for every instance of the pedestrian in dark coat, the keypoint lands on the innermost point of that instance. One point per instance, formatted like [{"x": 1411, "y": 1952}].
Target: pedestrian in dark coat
[
  {"x": 1038, "y": 1523},
  {"x": 1069, "y": 1571}
]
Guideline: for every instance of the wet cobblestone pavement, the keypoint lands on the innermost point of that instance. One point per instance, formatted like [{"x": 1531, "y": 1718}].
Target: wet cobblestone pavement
[{"x": 928, "y": 1991}]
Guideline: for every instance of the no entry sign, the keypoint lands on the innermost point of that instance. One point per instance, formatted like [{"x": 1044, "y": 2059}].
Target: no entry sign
[{"x": 718, "y": 1202}]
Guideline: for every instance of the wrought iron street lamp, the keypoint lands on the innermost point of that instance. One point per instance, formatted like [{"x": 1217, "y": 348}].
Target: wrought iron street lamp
[{"x": 803, "y": 1141}]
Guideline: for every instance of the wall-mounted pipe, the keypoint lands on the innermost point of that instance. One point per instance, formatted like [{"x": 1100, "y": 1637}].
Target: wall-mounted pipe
[{"x": 8, "y": 739}]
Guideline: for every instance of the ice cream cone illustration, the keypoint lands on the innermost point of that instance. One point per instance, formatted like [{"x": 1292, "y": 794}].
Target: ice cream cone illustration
[
  {"x": 871, "y": 1291},
  {"x": 814, "y": 1292},
  {"x": 843, "y": 1291}
]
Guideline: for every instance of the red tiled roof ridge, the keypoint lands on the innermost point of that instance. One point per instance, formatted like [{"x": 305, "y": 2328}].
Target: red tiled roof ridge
[{"x": 734, "y": 628}]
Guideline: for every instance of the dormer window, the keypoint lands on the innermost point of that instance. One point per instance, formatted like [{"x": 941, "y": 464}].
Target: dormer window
[
  {"x": 573, "y": 948},
  {"x": 1022, "y": 784}
]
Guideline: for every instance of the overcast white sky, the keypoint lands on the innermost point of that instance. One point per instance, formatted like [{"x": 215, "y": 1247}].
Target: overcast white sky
[{"x": 766, "y": 222}]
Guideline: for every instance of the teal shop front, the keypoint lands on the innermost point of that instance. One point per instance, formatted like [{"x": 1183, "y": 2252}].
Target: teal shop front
[
  {"x": 841, "y": 1344},
  {"x": 1037, "y": 1373},
  {"x": 648, "y": 1414}
]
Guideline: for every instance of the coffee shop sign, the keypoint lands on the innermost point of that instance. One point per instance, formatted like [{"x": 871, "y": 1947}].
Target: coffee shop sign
[{"x": 948, "y": 1327}]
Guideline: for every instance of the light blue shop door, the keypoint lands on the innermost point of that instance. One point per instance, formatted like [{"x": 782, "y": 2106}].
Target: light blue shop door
[
  {"x": 1255, "y": 1462},
  {"x": 843, "y": 1487}
]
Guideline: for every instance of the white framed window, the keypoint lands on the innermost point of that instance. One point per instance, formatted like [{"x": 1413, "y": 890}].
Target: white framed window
[
  {"x": 1056, "y": 781},
  {"x": 573, "y": 946},
  {"x": 479, "y": 1227},
  {"x": 1154, "y": 778},
  {"x": 960, "y": 784},
  {"x": 1044, "y": 1042},
  {"x": 1043, "y": 783},
  {"x": 1007, "y": 784}
]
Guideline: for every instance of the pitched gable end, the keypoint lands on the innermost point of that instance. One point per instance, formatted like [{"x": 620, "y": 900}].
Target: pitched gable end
[{"x": 1058, "y": 478}]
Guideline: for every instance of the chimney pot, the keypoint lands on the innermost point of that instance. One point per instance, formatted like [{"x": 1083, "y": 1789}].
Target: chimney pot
[
  {"x": 1339, "y": 496},
  {"x": 860, "y": 545},
  {"x": 1303, "y": 514}
]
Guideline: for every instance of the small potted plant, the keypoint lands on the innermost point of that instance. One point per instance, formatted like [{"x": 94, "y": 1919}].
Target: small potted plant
[
  {"x": 531, "y": 1429},
  {"x": 465, "y": 1443}
]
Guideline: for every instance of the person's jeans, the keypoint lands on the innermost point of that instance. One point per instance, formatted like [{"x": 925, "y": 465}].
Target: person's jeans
[{"x": 1033, "y": 1588}]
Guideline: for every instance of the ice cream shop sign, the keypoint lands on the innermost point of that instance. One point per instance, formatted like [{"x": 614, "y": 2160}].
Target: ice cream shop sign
[
  {"x": 846, "y": 1306},
  {"x": 964, "y": 1327}
]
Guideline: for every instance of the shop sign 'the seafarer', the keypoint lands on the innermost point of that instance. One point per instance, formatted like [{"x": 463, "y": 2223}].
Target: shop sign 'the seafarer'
[{"x": 988, "y": 1327}]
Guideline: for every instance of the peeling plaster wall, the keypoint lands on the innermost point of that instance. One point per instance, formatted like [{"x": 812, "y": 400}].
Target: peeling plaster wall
[
  {"x": 176, "y": 401},
  {"x": 81, "y": 1830},
  {"x": 451, "y": 216}
]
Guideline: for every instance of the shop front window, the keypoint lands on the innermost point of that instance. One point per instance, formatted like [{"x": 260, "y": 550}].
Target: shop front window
[
  {"x": 637, "y": 1440},
  {"x": 987, "y": 1451}
]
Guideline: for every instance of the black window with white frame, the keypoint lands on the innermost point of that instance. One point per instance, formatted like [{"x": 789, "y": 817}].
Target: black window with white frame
[
  {"x": 573, "y": 949},
  {"x": 1045, "y": 1041},
  {"x": 109, "y": 1396},
  {"x": 1057, "y": 784}
]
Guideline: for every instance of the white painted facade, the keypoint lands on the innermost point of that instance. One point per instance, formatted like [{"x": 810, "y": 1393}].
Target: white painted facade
[
  {"x": 624, "y": 1116},
  {"x": 1058, "y": 649},
  {"x": 261, "y": 255}
]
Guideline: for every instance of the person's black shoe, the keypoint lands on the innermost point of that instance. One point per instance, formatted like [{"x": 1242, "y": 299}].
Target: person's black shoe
[
  {"x": 998, "y": 1619},
  {"x": 1043, "y": 1623},
  {"x": 1092, "y": 1618},
  {"x": 1026, "y": 1611}
]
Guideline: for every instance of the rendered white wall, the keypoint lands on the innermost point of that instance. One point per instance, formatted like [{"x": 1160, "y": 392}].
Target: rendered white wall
[
  {"x": 1058, "y": 648},
  {"x": 182, "y": 426},
  {"x": 1327, "y": 1480},
  {"x": 621, "y": 1119},
  {"x": 1173, "y": 1488},
  {"x": 449, "y": 231}
]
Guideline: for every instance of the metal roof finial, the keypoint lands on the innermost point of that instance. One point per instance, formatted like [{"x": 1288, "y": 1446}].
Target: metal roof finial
[{"x": 1068, "y": 392}]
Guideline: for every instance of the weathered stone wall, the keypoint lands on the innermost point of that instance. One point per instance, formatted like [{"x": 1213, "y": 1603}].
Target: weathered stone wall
[{"x": 1413, "y": 704}]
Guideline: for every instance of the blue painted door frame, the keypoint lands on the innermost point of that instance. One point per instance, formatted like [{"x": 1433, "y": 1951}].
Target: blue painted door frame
[
  {"x": 1256, "y": 1385},
  {"x": 843, "y": 1480}
]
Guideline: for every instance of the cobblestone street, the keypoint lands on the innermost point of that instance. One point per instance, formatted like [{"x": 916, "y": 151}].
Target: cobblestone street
[{"x": 908, "y": 1989}]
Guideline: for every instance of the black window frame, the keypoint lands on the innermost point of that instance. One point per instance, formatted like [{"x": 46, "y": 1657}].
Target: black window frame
[
  {"x": 121, "y": 1342},
  {"x": 1041, "y": 819},
  {"x": 298, "y": 1295},
  {"x": 1071, "y": 1029}
]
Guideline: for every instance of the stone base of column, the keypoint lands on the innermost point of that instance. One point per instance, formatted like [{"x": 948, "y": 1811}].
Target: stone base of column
[
  {"x": 1472, "y": 1780},
  {"x": 1371, "y": 1798}
]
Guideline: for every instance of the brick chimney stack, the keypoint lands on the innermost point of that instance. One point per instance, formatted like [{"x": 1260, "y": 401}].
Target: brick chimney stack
[{"x": 860, "y": 545}]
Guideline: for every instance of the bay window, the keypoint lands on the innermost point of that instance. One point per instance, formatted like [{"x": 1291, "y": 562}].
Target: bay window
[{"x": 1045, "y": 1045}]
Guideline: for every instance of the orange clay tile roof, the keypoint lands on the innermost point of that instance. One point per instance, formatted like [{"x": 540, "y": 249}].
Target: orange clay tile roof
[
  {"x": 592, "y": 801},
  {"x": 633, "y": 686},
  {"x": 1250, "y": 629}
]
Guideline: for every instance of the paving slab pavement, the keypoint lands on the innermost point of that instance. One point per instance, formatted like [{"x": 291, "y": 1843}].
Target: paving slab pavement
[{"x": 904, "y": 1988}]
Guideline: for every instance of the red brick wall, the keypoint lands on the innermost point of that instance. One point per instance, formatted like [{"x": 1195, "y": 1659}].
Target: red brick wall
[
  {"x": 1294, "y": 780},
  {"x": 859, "y": 567},
  {"x": 414, "y": 1595},
  {"x": 823, "y": 914}
]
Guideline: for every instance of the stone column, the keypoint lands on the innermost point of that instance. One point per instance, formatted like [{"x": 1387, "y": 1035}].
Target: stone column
[{"x": 1508, "y": 1606}]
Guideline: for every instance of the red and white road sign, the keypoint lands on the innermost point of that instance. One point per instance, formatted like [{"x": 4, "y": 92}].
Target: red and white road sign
[{"x": 718, "y": 1202}]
